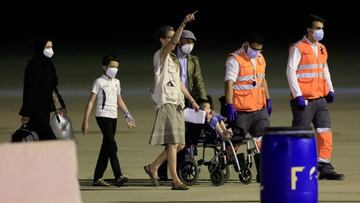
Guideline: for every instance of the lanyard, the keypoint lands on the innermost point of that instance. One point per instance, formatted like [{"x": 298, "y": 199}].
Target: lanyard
[{"x": 253, "y": 61}]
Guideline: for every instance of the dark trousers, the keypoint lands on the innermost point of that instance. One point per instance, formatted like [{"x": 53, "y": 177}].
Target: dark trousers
[
  {"x": 315, "y": 112},
  {"x": 253, "y": 122},
  {"x": 39, "y": 122},
  {"x": 108, "y": 148}
]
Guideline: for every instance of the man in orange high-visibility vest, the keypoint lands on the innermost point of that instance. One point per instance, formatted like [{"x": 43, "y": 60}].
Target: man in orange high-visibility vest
[
  {"x": 248, "y": 104},
  {"x": 311, "y": 87}
]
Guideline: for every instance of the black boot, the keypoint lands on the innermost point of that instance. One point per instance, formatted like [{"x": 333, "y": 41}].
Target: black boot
[
  {"x": 257, "y": 164},
  {"x": 327, "y": 172}
]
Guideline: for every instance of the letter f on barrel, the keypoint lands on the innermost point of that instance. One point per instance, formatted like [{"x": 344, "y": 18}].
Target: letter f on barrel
[{"x": 294, "y": 178}]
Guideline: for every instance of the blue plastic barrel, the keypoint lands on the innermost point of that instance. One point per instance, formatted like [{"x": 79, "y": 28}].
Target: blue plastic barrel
[{"x": 289, "y": 166}]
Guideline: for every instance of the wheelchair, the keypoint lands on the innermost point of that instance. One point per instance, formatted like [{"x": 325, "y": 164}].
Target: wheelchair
[{"x": 202, "y": 136}]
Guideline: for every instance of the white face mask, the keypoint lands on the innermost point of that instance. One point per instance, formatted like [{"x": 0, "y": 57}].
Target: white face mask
[
  {"x": 111, "y": 72},
  {"x": 48, "y": 52},
  {"x": 187, "y": 48}
]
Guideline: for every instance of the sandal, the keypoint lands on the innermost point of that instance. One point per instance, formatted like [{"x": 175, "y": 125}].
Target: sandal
[
  {"x": 153, "y": 180},
  {"x": 100, "y": 182},
  {"x": 179, "y": 187}
]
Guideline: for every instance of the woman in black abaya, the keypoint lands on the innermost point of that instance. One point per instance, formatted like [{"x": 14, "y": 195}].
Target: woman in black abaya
[{"x": 40, "y": 86}]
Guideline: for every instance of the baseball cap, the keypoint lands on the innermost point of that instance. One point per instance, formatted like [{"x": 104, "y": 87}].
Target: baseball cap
[{"x": 187, "y": 34}]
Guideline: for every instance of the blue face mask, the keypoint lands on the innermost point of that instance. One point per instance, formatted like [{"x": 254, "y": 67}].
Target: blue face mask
[
  {"x": 251, "y": 53},
  {"x": 318, "y": 34}
]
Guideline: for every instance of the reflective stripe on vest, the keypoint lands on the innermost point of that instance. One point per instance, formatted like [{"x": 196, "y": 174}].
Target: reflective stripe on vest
[
  {"x": 311, "y": 66},
  {"x": 310, "y": 71},
  {"x": 310, "y": 75},
  {"x": 244, "y": 87},
  {"x": 250, "y": 77}
]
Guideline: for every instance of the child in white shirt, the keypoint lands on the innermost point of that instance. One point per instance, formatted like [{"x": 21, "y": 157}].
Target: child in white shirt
[{"x": 107, "y": 92}]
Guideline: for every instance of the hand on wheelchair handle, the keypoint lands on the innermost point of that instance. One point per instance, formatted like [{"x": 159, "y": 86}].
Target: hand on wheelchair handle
[
  {"x": 230, "y": 113},
  {"x": 227, "y": 134}
]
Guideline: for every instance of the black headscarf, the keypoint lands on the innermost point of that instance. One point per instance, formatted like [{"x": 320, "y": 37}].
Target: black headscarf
[
  {"x": 40, "y": 80},
  {"x": 39, "y": 46}
]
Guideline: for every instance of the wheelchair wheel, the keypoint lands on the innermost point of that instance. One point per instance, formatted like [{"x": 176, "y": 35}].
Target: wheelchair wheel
[
  {"x": 220, "y": 166},
  {"x": 246, "y": 176},
  {"x": 226, "y": 171},
  {"x": 188, "y": 172},
  {"x": 217, "y": 177},
  {"x": 225, "y": 168},
  {"x": 214, "y": 165}
]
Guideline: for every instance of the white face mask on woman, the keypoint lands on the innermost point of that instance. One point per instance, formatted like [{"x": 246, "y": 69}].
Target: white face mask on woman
[
  {"x": 48, "y": 52},
  {"x": 187, "y": 48},
  {"x": 111, "y": 72}
]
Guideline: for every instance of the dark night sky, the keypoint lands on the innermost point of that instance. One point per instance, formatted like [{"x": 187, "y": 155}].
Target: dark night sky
[
  {"x": 136, "y": 21},
  {"x": 84, "y": 30}
]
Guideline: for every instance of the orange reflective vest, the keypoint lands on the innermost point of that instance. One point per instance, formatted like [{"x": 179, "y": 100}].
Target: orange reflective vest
[
  {"x": 248, "y": 93},
  {"x": 310, "y": 72}
]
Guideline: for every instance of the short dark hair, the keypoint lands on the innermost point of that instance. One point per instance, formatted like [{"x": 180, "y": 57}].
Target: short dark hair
[
  {"x": 201, "y": 102},
  {"x": 256, "y": 37},
  {"x": 108, "y": 58},
  {"x": 162, "y": 31},
  {"x": 310, "y": 19}
]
